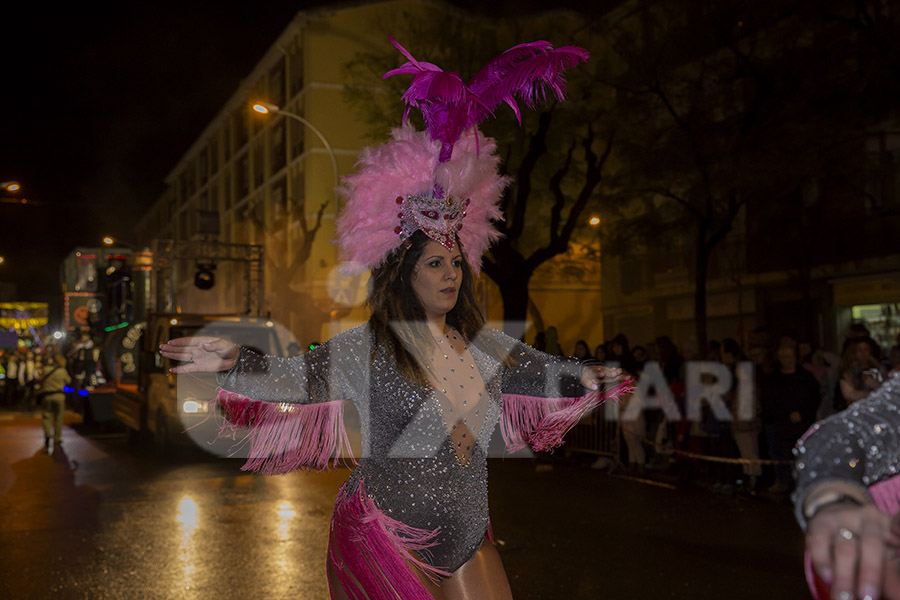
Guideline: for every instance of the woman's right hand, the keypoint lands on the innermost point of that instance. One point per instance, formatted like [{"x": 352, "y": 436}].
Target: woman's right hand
[
  {"x": 853, "y": 549},
  {"x": 200, "y": 354}
]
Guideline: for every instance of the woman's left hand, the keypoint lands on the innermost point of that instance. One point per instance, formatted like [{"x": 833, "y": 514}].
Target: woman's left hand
[{"x": 595, "y": 375}]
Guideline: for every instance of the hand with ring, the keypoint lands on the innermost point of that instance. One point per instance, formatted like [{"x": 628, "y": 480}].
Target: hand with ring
[
  {"x": 200, "y": 354},
  {"x": 854, "y": 550}
]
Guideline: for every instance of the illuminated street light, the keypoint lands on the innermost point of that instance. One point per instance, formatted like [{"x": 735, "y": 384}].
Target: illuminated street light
[
  {"x": 594, "y": 221},
  {"x": 266, "y": 108},
  {"x": 11, "y": 186},
  {"x": 111, "y": 241},
  {"x": 1, "y": 260}
]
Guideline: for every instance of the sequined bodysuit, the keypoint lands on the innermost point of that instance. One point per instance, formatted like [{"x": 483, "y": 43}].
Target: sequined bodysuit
[
  {"x": 860, "y": 445},
  {"x": 424, "y": 446}
]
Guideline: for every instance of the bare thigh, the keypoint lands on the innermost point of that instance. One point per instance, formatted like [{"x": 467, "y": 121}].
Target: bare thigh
[{"x": 482, "y": 577}]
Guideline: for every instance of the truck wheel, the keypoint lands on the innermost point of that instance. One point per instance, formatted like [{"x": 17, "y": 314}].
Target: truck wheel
[{"x": 161, "y": 439}]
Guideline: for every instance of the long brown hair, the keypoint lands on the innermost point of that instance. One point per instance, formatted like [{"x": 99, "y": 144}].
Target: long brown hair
[{"x": 398, "y": 318}]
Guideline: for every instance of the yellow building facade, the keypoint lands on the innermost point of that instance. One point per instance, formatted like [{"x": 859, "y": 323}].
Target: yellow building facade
[{"x": 269, "y": 180}]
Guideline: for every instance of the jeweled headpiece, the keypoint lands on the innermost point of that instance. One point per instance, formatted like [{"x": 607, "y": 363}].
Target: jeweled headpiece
[{"x": 444, "y": 181}]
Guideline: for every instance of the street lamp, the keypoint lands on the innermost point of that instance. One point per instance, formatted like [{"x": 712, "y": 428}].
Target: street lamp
[
  {"x": 266, "y": 108},
  {"x": 10, "y": 186},
  {"x": 111, "y": 241}
]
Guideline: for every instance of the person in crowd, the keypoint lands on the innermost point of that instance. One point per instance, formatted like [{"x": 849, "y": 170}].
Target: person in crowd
[
  {"x": 26, "y": 382},
  {"x": 620, "y": 353},
  {"x": 639, "y": 353},
  {"x": 824, "y": 366},
  {"x": 12, "y": 381},
  {"x": 790, "y": 398},
  {"x": 894, "y": 359},
  {"x": 601, "y": 353},
  {"x": 857, "y": 332},
  {"x": 553, "y": 342},
  {"x": 429, "y": 380},
  {"x": 663, "y": 433},
  {"x": 582, "y": 351},
  {"x": 860, "y": 371},
  {"x": 634, "y": 429},
  {"x": 53, "y": 402},
  {"x": 714, "y": 351},
  {"x": 745, "y": 421},
  {"x": 847, "y": 491}
]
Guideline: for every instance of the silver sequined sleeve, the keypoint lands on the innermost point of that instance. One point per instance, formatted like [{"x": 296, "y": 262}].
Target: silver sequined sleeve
[
  {"x": 537, "y": 373},
  {"x": 860, "y": 445},
  {"x": 335, "y": 370}
]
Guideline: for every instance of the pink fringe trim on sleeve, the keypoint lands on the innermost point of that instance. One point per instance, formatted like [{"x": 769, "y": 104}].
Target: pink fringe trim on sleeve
[
  {"x": 285, "y": 437},
  {"x": 371, "y": 553},
  {"x": 543, "y": 422}
]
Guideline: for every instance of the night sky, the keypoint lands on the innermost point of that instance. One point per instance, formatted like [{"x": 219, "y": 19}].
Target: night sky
[{"x": 99, "y": 102}]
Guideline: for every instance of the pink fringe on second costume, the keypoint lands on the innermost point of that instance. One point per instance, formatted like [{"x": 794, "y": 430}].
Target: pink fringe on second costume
[
  {"x": 285, "y": 437},
  {"x": 543, "y": 422},
  {"x": 371, "y": 553}
]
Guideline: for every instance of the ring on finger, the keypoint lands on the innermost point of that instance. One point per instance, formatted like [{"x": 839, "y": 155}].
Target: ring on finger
[{"x": 846, "y": 534}]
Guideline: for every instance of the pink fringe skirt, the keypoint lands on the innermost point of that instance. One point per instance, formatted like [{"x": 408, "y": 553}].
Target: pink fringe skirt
[{"x": 374, "y": 556}]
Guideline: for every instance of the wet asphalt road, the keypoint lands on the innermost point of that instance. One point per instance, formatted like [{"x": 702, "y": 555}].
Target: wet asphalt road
[{"x": 105, "y": 519}]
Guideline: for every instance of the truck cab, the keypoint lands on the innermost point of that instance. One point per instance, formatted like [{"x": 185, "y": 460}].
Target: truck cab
[{"x": 174, "y": 410}]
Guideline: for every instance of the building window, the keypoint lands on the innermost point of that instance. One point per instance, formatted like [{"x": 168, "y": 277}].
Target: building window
[
  {"x": 241, "y": 131},
  {"x": 226, "y": 141},
  {"x": 278, "y": 197},
  {"x": 295, "y": 64},
  {"x": 214, "y": 155},
  {"x": 182, "y": 231},
  {"x": 278, "y": 157},
  {"x": 296, "y": 132},
  {"x": 182, "y": 187},
  {"x": 203, "y": 167},
  {"x": 227, "y": 191},
  {"x": 276, "y": 83},
  {"x": 243, "y": 175},
  {"x": 259, "y": 174},
  {"x": 191, "y": 180}
]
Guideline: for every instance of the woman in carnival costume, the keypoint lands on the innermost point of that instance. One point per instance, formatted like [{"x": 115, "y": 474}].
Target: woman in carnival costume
[{"x": 429, "y": 381}]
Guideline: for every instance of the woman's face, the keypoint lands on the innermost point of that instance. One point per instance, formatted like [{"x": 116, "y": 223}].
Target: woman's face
[
  {"x": 863, "y": 352},
  {"x": 600, "y": 353},
  {"x": 436, "y": 279},
  {"x": 581, "y": 350}
]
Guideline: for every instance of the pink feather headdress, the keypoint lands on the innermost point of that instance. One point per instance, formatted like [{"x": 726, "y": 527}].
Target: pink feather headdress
[{"x": 444, "y": 180}]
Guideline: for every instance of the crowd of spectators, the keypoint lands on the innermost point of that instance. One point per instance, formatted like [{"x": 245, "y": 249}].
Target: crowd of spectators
[
  {"x": 23, "y": 369},
  {"x": 791, "y": 384}
]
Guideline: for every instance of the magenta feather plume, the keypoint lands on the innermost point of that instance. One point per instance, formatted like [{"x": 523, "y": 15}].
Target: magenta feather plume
[
  {"x": 451, "y": 160},
  {"x": 530, "y": 72}
]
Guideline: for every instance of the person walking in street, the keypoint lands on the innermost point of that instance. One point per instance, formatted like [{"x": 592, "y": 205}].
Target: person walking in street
[
  {"x": 53, "y": 402},
  {"x": 430, "y": 382}
]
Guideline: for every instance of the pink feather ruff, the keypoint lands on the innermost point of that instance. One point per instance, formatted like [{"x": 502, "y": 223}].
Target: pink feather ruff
[{"x": 407, "y": 164}]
